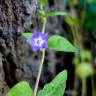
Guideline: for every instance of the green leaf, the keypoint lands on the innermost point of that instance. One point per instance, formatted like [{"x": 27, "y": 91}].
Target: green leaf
[
  {"x": 20, "y": 89},
  {"x": 42, "y": 3},
  {"x": 56, "y": 14},
  {"x": 51, "y": 14},
  {"x": 41, "y": 12},
  {"x": 56, "y": 87},
  {"x": 59, "y": 43},
  {"x": 27, "y": 35},
  {"x": 72, "y": 21}
]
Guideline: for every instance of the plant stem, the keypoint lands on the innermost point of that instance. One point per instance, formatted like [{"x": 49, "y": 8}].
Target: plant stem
[
  {"x": 93, "y": 87},
  {"x": 39, "y": 73},
  {"x": 44, "y": 25},
  {"x": 84, "y": 87},
  {"x": 41, "y": 64}
]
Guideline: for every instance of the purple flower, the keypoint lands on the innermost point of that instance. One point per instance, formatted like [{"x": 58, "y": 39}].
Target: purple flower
[{"x": 38, "y": 41}]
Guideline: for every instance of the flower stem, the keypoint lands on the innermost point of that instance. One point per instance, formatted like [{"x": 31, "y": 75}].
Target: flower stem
[
  {"x": 44, "y": 25},
  {"x": 39, "y": 73},
  {"x": 41, "y": 64}
]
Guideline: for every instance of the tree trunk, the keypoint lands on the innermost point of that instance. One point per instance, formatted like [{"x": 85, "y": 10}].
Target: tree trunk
[{"x": 16, "y": 16}]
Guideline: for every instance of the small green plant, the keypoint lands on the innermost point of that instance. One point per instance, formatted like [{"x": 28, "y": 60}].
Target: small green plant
[
  {"x": 39, "y": 41},
  {"x": 59, "y": 83},
  {"x": 84, "y": 68}
]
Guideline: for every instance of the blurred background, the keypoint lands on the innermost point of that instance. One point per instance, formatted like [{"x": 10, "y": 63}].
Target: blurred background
[{"x": 17, "y": 60}]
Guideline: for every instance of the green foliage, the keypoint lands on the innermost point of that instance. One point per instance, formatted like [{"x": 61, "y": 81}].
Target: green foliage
[
  {"x": 20, "y": 89},
  {"x": 86, "y": 55},
  {"x": 90, "y": 14},
  {"x": 52, "y": 14},
  {"x": 72, "y": 21},
  {"x": 90, "y": 20},
  {"x": 42, "y": 3},
  {"x": 48, "y": 14},
  {"x": 41, "y": 13},
  {"x": 58, "y": 13},
  {"x": 92, "y": 7},
  {"x": 90, "y": 24},
  {"x": 76, "y": 61},
  {"x": 56, "y": 87},
  {"x": 59, "y": 43},
  {"x": 90, "y": 1},
  {"x": 27, "y": 35},
  {"x": 84, "y": 70}
]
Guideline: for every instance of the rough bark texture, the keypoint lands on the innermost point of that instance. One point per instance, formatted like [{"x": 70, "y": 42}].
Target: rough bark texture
[{"x": 16, "y": 16}]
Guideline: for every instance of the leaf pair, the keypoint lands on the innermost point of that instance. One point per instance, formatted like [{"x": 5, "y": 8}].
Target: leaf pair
[
  {"x": 52, "y": 13},
  {"x": 55, "y": 88},
  {"x": 42, "y": 12}
]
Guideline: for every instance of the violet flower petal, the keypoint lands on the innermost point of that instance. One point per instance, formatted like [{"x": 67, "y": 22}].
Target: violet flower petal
[
  {"x": 36, "y": 48},
  {"x": 44, "y": 36},
  {"x": 44, "y": 45},
  {"x": 36, "y": 34},
  {"x": 30, "y": 41}
]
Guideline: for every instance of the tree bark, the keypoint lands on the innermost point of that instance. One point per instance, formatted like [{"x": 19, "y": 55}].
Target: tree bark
[{"x": 16, "y": 16}]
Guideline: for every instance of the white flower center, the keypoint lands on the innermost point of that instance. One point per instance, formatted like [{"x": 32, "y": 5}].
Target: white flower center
[{"x": 39, "y": 41}]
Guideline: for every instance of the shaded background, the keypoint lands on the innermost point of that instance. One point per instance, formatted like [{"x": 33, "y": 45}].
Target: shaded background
[{"x": 17, "y": 60}]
